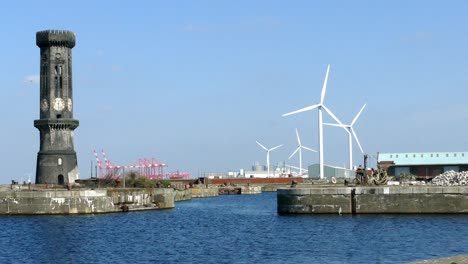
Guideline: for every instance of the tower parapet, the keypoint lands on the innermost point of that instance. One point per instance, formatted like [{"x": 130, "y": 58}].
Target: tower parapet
[{"x": 49, "y": 38}]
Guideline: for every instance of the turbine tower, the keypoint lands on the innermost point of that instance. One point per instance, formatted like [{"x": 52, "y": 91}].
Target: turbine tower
[
  {"x": 350, "y": 130},
  {"x": 299, "y": 148},
  {"x": 268, "y": 155},
  {"x": 319, "y": 106}
]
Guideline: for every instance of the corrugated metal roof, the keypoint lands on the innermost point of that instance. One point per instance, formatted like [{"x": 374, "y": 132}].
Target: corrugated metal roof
[{"x": 425, "y": 158}]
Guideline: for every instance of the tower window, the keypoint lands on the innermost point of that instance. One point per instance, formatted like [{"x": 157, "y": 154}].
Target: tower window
[
  {"x": 59, "y": 116},
  {"x": 59, "y": 161}
]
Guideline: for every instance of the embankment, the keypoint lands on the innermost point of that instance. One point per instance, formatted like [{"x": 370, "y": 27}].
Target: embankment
[
  {"x": 84, "y": 201},
  {"x": 374, "y": 200}
]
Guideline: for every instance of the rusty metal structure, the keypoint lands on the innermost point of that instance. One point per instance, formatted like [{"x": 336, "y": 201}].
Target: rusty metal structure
[{"x": 370, "y": 177}]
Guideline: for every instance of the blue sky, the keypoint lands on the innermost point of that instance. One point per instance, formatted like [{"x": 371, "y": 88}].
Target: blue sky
[{"x": 195, "y": 83}]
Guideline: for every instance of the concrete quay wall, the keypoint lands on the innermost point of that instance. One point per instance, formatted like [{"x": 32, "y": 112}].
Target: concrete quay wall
[
  {"x": 274, "y": 187},
  {"x": 251, "y": 189},
  {"x": 84, "y": 201},
  {"x": 204, "y": 192},
  {"x": 182, "y": 195},
  {"x": 373, "y": 200}
]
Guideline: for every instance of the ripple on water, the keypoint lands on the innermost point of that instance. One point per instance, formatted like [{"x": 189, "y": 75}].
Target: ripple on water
[{"x": 230, "y": 229}]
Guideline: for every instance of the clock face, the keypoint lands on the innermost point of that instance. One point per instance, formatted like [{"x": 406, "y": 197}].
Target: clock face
[
  {"x": 59, "y": 104},
  {"x": 69, "y": 104},
  {"x": 44, "y": 105}
]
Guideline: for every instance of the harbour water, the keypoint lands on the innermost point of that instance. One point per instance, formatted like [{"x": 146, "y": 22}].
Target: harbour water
[{"x": 230, "y": 229}]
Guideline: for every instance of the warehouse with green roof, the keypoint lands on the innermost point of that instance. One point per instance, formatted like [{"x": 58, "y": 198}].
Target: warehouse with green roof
[{"x": 424, "y": 165}]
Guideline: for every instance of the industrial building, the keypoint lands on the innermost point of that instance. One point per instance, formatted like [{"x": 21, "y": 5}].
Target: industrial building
[
  {"x": 330, "y": 171},
  {"x": 257, "y": 171},
  {"x": 424, "y": 165}
]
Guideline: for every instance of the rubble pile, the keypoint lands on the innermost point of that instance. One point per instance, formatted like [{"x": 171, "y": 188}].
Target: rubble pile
[{"x": 451, "y": 178}]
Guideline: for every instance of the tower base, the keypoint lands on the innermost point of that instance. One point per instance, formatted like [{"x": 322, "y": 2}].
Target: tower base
[{"x": 56, "y": 168}]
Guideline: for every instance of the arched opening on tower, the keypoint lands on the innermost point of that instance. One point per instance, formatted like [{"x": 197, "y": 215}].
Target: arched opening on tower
[{"x": 61, "y": 180}]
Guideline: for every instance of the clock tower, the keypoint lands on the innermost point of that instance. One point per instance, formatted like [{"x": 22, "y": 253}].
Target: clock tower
[{"x": 56, "y": 159}]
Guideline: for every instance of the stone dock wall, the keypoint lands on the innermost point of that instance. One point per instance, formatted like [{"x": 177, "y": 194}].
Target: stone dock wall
[
  {"x": 373, "y": 200},
  {"x": 251, "y": 190},
  {"x": 204, "y": 192},
  {"x": 182, "y": 195},
  {"x": 85, "y": 201}
]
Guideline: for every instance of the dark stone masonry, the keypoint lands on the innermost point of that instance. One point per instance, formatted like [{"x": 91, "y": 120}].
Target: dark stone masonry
[{"x": 56, "y": 159}]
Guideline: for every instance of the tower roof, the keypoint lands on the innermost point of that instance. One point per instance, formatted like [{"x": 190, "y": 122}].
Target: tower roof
[{"x": 49, "y": 38}]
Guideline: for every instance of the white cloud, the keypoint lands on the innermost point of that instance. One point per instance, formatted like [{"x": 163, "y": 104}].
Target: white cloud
[{"x": 31, "y": 79}]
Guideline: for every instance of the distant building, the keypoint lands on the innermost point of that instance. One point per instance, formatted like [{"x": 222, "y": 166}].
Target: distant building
[
  {"x": 424, "y": 165},
  {"x": 330, "y": 171},
  {"x": 257, "y": 171}
]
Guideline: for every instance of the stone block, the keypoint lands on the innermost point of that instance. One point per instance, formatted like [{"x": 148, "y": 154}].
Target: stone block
[
  {"x": 435, "y": 189},
  {"x": 298, "y": 191},
  {"x": 420, "y": 190},
  {"x": 451, "y": 189}
]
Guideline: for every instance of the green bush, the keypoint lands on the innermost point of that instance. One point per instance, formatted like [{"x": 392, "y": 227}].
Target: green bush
[{"x": 143, "y": 182}]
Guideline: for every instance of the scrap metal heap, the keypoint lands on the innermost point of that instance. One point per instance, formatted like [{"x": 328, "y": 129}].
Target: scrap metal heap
[{"x": 451, "y": 178}]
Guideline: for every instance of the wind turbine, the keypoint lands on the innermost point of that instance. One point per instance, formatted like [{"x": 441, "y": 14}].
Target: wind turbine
[
  {"x": 319, "y": 106},
  {"x": 294, "y": 167},
  {"x": 350, "y": 130},
  {"x": 299, "y": 148},
  {"x": 268, "y": 155}
]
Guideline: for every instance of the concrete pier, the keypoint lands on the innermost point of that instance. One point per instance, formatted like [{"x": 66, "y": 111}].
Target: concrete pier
[
  {"x": 85, "y": 201},
  {"x": 374, "y": 200},
  {"x": 204, "y": 192}
]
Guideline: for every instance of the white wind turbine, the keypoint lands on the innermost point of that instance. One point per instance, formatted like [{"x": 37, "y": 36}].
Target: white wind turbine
[
  {"x": 319, "y": 106},
  {"x": 350, "y": 130},
  {"x": 299, "y": 148},
  {"x": 268, "y": 155}
]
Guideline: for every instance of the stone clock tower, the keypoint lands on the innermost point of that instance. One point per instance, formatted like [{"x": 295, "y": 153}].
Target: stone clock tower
[{"x": 56, "y": 160}]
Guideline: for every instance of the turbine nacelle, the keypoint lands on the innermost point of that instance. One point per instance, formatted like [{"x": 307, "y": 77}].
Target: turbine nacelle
[
  {"x": 299, "y": 149},
  {"x": 320, "y": 106},
  {"x": 268, "y": 154},
  {"x": 349, "y": 128}
]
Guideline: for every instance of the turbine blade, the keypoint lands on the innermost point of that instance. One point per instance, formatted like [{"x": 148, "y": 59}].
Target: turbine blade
[
  {"x": 358, "y": 114},
  {"x": 330, "y": 124},
  {"x": 324, "y": 87},
  {"x": 275, "y": 147},
  {"x": 263, "y": 147},
  {"x": 298, "y": 139},
  {"x": 308, "y": 108},
  {"x": 297, "y": 168},
  {"x": 333, "y": 115},
  {"x": 297, "y": 149},
  {"x": 309, "y": 149},
  {"x": 357, "y": 140}
]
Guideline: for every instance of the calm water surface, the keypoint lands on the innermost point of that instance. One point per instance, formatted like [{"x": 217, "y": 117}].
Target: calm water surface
[{"x": 230, "y": 229}]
